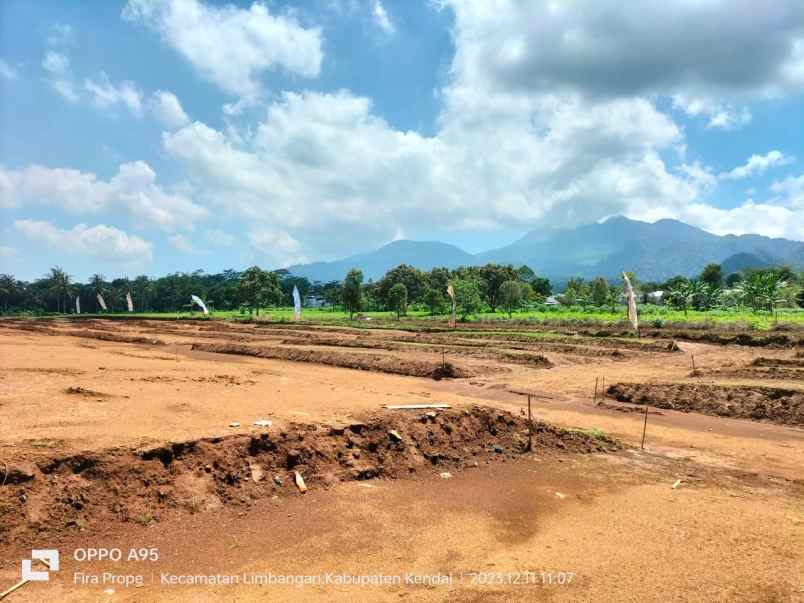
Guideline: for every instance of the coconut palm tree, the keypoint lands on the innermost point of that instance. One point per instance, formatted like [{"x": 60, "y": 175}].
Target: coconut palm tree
[{"x": 60, "y": 286}]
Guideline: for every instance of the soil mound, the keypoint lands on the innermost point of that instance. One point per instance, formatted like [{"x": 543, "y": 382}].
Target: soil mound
[
  {"x": 777, "y": 405},
  {"x": 45, "y": 495}
]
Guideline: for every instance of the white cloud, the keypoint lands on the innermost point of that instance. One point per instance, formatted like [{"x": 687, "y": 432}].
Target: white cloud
[
  {"x": 791, "y": 190},
  {"x": 57, "y": 66},
  {"x": 229, "y": 46},
  {"x": 7, "y": 72},
  {"x": 181, "y": 243},
  {"x": 104, "y": 94},
  {"x": 381, "y": 18},
  {"x": 219, "y": 238},
  {"x": 720, "y": 115},
  {"x": 133, "y": 189},
  {"x": 100, "y": 241},
  {"x": 167, "y": 109},
  {"x": 276, "y": 247},
  {"x": 757, "y": 165}
]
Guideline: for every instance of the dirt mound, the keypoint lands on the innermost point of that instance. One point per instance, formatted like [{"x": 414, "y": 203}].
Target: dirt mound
[
  {"x": 783, "y": 406},
  {"x": 366, "y": 362},
  {"x": 763, "y": 361},
  {"x": 779, "y": 373},
  {"x": 53, "y": 494}
]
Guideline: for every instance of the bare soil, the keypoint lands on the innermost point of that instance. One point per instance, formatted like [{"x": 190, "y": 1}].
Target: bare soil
[{"x": 108, "y": 438}]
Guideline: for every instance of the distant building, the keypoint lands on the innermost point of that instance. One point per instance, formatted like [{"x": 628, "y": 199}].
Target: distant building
[
  {"x": 655, "y": 297},
  {"x": 551, "y": 301}
]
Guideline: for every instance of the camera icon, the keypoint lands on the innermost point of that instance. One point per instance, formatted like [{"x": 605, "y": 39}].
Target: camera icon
[{"x": 49, "y": 557}]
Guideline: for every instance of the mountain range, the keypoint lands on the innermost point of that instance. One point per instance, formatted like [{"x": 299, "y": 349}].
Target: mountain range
[{"x": 653, "y": 251}]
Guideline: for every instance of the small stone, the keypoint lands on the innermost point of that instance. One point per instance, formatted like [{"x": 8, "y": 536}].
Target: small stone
[
  {"x": 263, "y": 423},
  {"x": 257, "y": 473},
  {"x": 445, "y": 475},
  {"x": 278, "y": 480},
  {"x": 498, "y": 449},
  {"x": 234, "y": 424},
  {"x": 395, "y": 435}
]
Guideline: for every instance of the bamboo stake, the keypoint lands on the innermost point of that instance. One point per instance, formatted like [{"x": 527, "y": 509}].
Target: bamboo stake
[{"x": 644, "y": 428}]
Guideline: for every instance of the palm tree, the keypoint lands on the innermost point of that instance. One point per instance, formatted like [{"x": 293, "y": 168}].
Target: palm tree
[
  {"x": 8, "y": 288},
  {"x": 60, "y": 287}
]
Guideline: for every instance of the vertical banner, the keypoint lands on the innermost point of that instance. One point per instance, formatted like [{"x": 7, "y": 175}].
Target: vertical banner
[
  {"x": 631, "y": 299},
  {"x": 129, "y": 301},
  {"x": 102, "y": 302},
  {"x": 296, "y": 304},
  {"x": 451, "y": 293},
  {"x": 77, "y": 305},
  {"x": 197, "y": 301}
]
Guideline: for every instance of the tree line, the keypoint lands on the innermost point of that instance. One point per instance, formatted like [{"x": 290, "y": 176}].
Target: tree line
[{"x": 492, "y": 287}]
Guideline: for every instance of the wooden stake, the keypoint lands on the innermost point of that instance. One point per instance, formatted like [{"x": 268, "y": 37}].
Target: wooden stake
[
  {"x": 693, "y": 362},
  {"x": 530, "y": 427},
  {"x": 644, "y": 428}
]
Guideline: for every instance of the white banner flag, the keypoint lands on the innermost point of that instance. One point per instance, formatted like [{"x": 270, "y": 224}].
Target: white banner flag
[
  {"x": 129, "y": 301},
  {"x": 630, "y": 297},
  {"x": 77, "y": 305},
  {"x": 101, "y": 301},
  {"x": 197, "y": 300},
  {"x": 296, "y": 304},
  {"x": 451, "y": 293}
]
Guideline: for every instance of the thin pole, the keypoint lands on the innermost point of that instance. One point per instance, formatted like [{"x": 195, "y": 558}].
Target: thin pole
[
  {"x": 644, "y": 428},
  {"x": 530, "y": 427},
  {"x": 693, "y": 362},
  {"x": 444, "y": 358},
  {"x": 594, "y": 398}
]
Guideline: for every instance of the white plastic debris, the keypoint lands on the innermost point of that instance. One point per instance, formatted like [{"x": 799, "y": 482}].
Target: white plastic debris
[
  {"x": 263, "y": 423},
  {"x": 446, "y": 475},
  {"x": 234, "y": 424}
]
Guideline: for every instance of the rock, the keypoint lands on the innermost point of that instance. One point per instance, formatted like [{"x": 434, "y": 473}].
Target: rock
[
  {"x": 278, "y": 480},
  {"x": 257, "y": 473},
  {"x": 234, "y": 424},
  {"x": 18, "y": 473},
  {"x": 263, "y": 423},
  {"x": 395, "y": 435},
  {"x": 498, "y": 449},
  {"x": 445, "y": 475}
]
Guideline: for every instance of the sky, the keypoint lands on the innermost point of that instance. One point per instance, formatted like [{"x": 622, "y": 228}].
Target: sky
[{"x": 148, "y": 137}]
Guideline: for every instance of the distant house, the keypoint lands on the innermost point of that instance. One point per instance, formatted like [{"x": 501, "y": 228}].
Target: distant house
[
  {"x": 655, "y": 297},
  {"x": 551, "y": 301}
]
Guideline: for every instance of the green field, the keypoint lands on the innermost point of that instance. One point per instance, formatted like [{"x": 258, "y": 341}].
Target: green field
[{"x": 650, "y": 316}]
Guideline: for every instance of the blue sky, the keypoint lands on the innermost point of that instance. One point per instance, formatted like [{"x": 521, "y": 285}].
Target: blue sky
[{"x": 148, "y": 137}]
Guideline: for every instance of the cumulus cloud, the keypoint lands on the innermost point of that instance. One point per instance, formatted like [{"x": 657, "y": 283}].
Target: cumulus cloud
[
  {"x": 757, "y": 165},
  {"x": 167, "y": 109},
  {"x": 133, "y": 190},
  {"x": 100, "y": 241},
  {"x": 104, "y": 94},
  {"x": 230, "y": 46},
  {"x": 720, "y": 115},
  {"x": 276, "y": 247}
]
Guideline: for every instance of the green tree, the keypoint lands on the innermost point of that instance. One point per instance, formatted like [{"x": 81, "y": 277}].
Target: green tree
[
  {"x": 8, "y": 289},
  {"x": 492, "y": 277},
  {"x": 510, "y": 296},
  {"x": 398, "y": 299},
  {"x": 599, "y": 292},
  {"x": 525, "y": 274},
  {"x": 413, "y": 279},
  {"x": 352, "y": 294},
  {"x": 467, "y": 296},
  {"x": 712, "y": 275},
  {"x": 541, "y": 286},
  {"x": 259, "y": 288},
  {"x": 434, "y": 300},
  {"x": 761, "y": 290}
]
